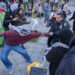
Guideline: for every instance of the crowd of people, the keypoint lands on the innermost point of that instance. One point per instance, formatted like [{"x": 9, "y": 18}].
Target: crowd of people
[{"x": 61, "y": 40}]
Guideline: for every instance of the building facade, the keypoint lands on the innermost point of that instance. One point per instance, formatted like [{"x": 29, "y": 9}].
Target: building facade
[{"x": 71, "y": 2}]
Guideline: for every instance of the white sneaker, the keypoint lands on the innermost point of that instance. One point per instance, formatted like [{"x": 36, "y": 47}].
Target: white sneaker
[{"x": 11, "y": 70}]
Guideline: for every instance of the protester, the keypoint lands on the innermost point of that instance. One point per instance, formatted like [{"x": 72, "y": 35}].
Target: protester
[
  {"x": 13, "y": 39},
  {"x": 19, "y": 19},
  {"x": 19, "y": 29},
  {"x": 67, "y": 65},
  {"x": 58, "y": 50},
  {"x": 21, "y": 5}
]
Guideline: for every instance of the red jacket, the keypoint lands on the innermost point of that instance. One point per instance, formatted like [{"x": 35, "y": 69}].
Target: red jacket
[{"x": 13, "y": 38}]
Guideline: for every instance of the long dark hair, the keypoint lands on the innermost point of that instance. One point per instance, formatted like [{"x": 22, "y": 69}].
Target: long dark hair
[{"x": 17, "y": 12}]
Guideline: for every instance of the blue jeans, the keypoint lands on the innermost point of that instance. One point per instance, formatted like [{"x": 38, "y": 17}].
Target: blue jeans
[
  {"x": 46, "y": 18},
  {"x": 5, "y": 52}
]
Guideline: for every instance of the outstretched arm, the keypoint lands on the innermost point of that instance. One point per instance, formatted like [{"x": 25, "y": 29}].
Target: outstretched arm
[
  {"x": 36, "y": 35},
  {"x": 2, "y": 34}
]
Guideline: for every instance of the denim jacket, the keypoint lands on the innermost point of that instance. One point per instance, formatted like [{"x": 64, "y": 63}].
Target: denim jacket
[{"x": 46, "y": 9}]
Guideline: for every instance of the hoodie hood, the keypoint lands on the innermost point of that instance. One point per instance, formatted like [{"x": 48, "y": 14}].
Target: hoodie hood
[{"x": 21, "y": 28}]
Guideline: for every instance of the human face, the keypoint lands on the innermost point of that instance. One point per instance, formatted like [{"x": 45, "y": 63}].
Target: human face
[
  {"x": 63, "y": 2},
  {"x": 22, "y": 6},
  {"x": 59, "y": 18},
  {"x": 24, "y": 32},
  {"x": 55, "y": 15},
  {"x": 20, "y": 12}
]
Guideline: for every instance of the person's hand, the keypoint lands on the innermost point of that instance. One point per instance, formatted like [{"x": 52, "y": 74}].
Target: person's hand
[
  {"x": 24, "y": 18},
  {"x": 46, "y": 25},
  {"x": 51, "y": 33},
  {"x": 42, "y": 34},
  {"x": 15, "y": 19}
]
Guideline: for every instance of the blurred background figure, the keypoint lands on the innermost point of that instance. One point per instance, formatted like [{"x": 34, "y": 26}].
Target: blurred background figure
[
  {"x": 73, "y": 18},
  {"x": 26, "y": 4},
  {"x": 66, "y": 9},
  {"x": 46, "y": 11},
  {"x": 14, "y": 7}
]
